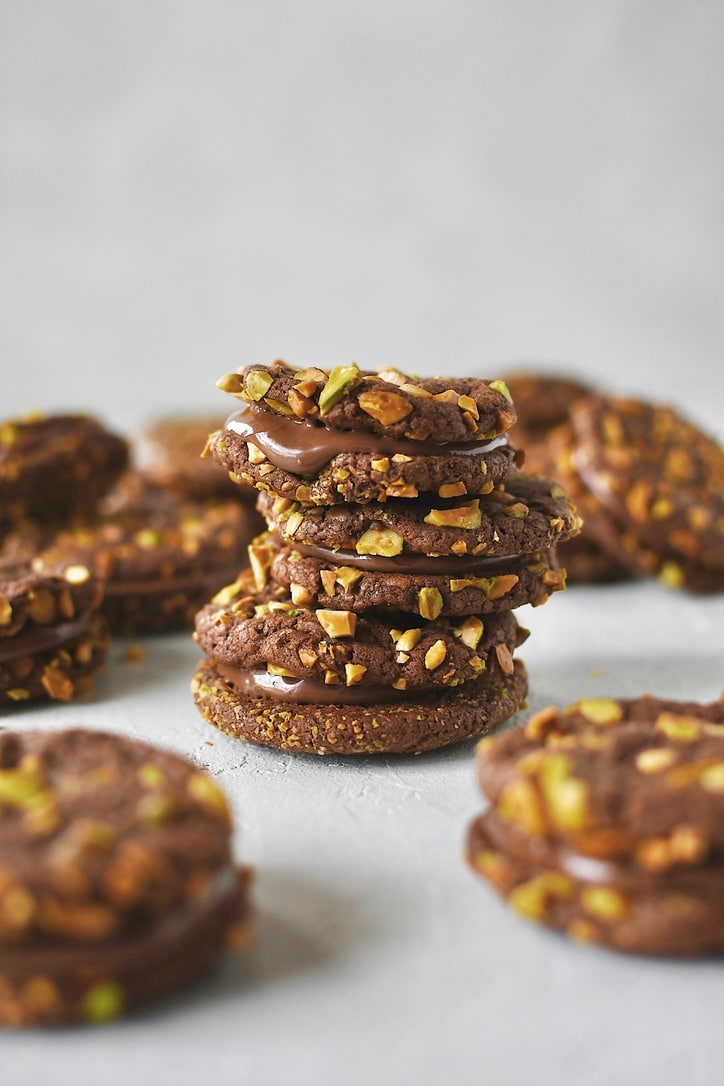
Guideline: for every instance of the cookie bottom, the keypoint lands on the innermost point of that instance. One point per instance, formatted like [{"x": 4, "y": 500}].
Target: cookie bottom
[
  {"x": 42, "y": 985},
  {"x": 404, "y": 727},
  {"x": 652, "y": 919},
  {"x": 58, "y": 673}
]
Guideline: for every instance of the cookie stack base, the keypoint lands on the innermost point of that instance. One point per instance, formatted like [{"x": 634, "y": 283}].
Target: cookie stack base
[{"x": 409, "y": 726}]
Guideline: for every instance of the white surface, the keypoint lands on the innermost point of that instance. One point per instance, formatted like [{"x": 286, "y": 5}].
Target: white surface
[
  {"x": 447, "y": 185},
  {"x": 380, "y": 957}
]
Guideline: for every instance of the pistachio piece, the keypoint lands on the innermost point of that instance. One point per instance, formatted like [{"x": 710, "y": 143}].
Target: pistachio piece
[
  {"x": 337, "y": 623},
  {"x": 293, "y": 523},
  {"x": 300, "y": 405},
  {"x": 261, "y": 555},
  {"x": 353, "y": 673},
  {"x": 283, "y": 672},
  {"x": 254, "y": 453},
  {"x": 386, "y": 407},
  {"x": 598, "y": 710},
  {"x": 231, "y": 383},
  {"x": 340, "y": 381},
  {"x": 346, "y": 576},
  {"x": 502, "y": 388},
  {"x": 452, "y": 490},
  {"x": 470, "y": 631},
  {"x": 604, "y": 903},
  {"x": 655, "y": 759},
  {"x": 257, "y": 383},
  {"x": 435, "y": 654},
  {"x": 684, "y": 728},
  {"x": 202, "y": 790},
  {"x": 406, "y": 641},
  {"x": 301, "y": 596},
  {"x": 328, "y": 577},
  {"x": 457, "y": 516},
  {"x": 103, "y": 1002},
  {"x": 429, "y": 603},
  {"x": 467, "y": 403},
  {"x": 382, "y": 541}
]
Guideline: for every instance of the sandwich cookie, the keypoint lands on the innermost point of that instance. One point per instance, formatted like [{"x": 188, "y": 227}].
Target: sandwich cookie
[
  {"x": 660, "y": 483},
  {"x": 118, "y": 884},
  {"x": 159, "y": 559},
  {"x": 605, "y": 822},
  {"x": 326, "y": 438},
  {"x": 53, "y": 639}
]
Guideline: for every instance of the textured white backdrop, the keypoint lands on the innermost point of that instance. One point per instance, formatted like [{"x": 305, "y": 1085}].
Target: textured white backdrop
[
  {"x": 449, "y": 186},
  {"x": 446, "y": 185}
]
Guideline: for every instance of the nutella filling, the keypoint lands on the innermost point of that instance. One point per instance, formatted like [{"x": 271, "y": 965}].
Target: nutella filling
[
  {"x": 443, "y": 565},
  {"x": 260, "y": 684},
  {"x": 304, "y": 448},
  {"x": 40, "y": 638}
]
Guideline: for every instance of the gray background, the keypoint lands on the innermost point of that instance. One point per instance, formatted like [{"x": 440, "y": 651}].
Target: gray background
[{"x": 449, "y": 187}]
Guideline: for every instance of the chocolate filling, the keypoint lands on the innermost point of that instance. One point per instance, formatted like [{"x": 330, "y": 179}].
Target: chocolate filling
[
  {"x": 304, "y": 448},
  {"x": 40, "y": 638},
  {"x": 261, "y": 684},
  {"x": 443, "y": 565}
]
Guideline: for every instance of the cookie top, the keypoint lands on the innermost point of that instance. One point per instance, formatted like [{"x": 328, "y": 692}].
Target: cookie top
[
  {"x": 245, "y": 628},
  {"x": 640, "y": 779},
  {"x": 387, "y": 402},
  {"x": 52, "y": 465},
  {"x": 99, "y": 833},
  {"x": 349, "y": 581},
  {"x": 33, "y": 601},
  {"x": 655, "y": 472},
  {"x": 542, "y": 400},
  {"x": 529, "y": 515},
  {"x": 171, "y": 448}
]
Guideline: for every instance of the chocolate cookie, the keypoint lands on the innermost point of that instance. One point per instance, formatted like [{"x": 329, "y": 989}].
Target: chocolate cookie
[
  {"x": 604, "y": 815},
  {"x": 250, "y": 630},
  {"x": 158, "y": 564},
  {"x": 543, "y": 402},
  {"x": 531, "y": 515},
  {"x": 379, "y": 436},
  {"x": 404, "y": 726},
  {"x": 325, "y": 477},
  {"x": 170, "y": 450},
  {"x": 117, "y": 879},
  {"x": 52, "y": 638},
  {"x": 54, "y": 465},
  {"x": 656, "y": 475},
  {"x": 387, "y": 402},
  {"x": 428, "y": 587}
]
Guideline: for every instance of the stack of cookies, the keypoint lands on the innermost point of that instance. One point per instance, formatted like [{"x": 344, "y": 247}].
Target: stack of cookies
[
  {"x": 53, "y": 638},
  {"x": 606, "y": 823},
  {"x": 377, "y": 612}
]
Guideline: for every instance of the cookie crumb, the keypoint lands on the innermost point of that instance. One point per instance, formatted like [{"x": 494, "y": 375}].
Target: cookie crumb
[{"x": 134, "y": 654}]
